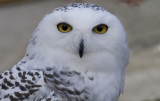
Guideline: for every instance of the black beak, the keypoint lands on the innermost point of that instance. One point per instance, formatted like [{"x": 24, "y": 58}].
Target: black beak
[{"x": 81, "y": 48}]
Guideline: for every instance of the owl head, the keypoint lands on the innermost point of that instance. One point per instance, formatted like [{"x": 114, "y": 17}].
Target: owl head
[{"x": 80, "y": 34}]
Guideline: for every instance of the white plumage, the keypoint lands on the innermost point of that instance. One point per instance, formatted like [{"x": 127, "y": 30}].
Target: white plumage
[{"x": 77, "y": 53}]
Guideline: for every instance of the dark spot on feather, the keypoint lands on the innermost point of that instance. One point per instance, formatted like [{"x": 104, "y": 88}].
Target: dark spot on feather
[
  {"x": 68, "y": 73},
  {"x": 23, "y": 77},
  {"x": 30, "y": 82},
  {"x": 22, "y": 88},
  {"x": 33, "y": 78},
  {"x": 18, "y": 94},
  {"x": 24, "y": 73},
  {"x": 57, "y": 82},
  {"x": 33, "y": 90},
  {"x": 49, "y": 75},
  {"x": 9, "y": 84},
  {"x": 61, "y": 89},
  {"x": 1, "y": 76},
  {"x": 21, "y": 98},
  {"x": 12, "y": 98},
  {"x": 55, "y": 75},
  {"x": 48, "y": 99},
  {"x": 23, "y": 62},
  {"x": 11, "y": 77},
  {"x": 45, "y": 80},
  {"x": 19, "y": 74},
  {"x": 78, "y": 73},
  {"x": 82, "y": 100},
  {"x": 6, "y": 73},
  {"x": 33, "y": 86},
  {"x": 10, "y": 72},
  {"x": 86, "y": 97},
  {"x": 27, "y": 86},
  {"x": 27, "y": 55},
  {"x": 63, "y": 72},
  {"x": 53, "y": 94},
  {"x": 16, "y": 83},
  {"x": 30, "y": 74},
  {"x": 4, "y": 87},
  {"x": 23, "y": 81},
  {"x": 18, "y": 68},
  {"x": 6, "y": 96},
  {"x": 77, "y": 92},
  {"x": 91, "y": 78},
  {"x": 36, "y": 73},
  {"x": 26, "y": 95},
  {"x": 65, "y": 89},
  {"x": 48, "y": 69}
]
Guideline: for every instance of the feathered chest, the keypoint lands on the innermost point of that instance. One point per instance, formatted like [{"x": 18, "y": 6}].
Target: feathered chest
[{"x": 60, "y": 83}]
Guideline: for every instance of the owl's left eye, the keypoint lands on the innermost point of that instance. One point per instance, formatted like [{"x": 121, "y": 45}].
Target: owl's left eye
[
  {"x": 64, "y": 27},
  {"x": 102, "y": 28}
]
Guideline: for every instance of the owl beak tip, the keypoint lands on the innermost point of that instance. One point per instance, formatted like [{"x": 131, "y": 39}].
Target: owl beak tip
[{"x": 81, "y": 48}]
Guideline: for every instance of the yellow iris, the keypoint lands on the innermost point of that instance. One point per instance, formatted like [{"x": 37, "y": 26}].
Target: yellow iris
[
  {"x": 64, "y": 27},
  {"x": 102, "y": 28}
]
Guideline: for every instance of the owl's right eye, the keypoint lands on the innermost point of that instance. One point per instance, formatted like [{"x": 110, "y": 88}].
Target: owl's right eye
[
  {"x": 64, "y": 27},
  {"x": 100, "y": 29}
]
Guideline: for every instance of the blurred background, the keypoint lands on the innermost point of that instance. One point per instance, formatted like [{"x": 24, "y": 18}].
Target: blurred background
[{"x": 141, "y": 20}]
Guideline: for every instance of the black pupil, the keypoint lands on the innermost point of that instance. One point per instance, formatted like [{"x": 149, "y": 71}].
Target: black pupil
[
  {"x": 64, "y": 27},
  {"x": 99, "y": 28}
]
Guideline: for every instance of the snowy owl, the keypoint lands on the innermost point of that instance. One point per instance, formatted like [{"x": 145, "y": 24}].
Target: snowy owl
[{"x": 78, "y": 52}]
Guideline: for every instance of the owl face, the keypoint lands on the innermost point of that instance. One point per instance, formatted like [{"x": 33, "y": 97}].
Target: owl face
[{"x": 81, "y": 31}]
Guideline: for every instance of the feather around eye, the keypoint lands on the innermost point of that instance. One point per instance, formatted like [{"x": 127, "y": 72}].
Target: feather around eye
[{"x": 64, "y": 27}]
